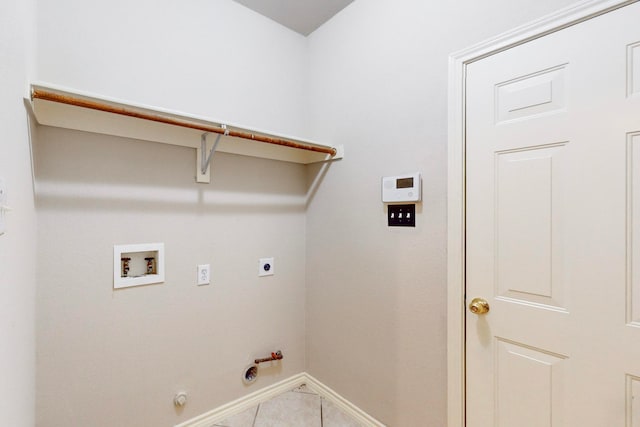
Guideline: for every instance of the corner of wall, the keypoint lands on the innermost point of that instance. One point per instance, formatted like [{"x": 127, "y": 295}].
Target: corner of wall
[{"x": 18, "y": 243}]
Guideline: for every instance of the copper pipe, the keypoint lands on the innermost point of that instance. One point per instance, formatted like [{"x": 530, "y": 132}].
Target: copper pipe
[
  {"x": 93, "y": 105},
  {"x": 274, "y": 356}
]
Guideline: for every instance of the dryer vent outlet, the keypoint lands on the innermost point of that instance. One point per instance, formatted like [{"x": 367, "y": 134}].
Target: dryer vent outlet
[{"x": 250, "y": 374}]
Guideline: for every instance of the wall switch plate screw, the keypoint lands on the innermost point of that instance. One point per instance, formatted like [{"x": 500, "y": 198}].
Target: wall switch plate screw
[
  {"x": 204, "y": 274},
  {"x": 266, "y": 267}
]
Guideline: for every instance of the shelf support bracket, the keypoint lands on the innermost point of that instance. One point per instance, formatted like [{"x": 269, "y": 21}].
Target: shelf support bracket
[
  {"x": 204, "y": 165},
  {"x": 205, "y": 155}
]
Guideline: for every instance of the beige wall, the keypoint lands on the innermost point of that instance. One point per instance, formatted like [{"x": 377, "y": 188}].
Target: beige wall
[
  {"x": 376, "y": 296},
  {"x": 116, "y": 357},
  {"x": 17, "y": 245}
]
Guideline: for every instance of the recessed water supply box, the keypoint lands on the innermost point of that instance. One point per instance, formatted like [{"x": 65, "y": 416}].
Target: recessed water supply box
[{"x": 137, "y": 265}]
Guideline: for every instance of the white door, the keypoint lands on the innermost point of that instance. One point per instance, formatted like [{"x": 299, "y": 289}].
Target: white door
[{"x": 553, "y": 229}]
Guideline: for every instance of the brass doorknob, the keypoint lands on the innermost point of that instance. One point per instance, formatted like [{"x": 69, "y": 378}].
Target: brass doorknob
[{"x": 479, "y": 306}]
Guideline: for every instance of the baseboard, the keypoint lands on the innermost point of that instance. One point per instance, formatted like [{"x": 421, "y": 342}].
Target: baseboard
[
  {"x": 346, "y": 406},
  {"x": 232, "y": 408}
]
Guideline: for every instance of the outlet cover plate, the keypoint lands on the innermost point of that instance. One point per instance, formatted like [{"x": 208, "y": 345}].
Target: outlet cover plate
[
  {"x": 266, "y": 267},
  {"x": 204, "y": 274}
]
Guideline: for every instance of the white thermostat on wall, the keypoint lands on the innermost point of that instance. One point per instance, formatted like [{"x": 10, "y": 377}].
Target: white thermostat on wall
[{"x": 402, "y": 188}]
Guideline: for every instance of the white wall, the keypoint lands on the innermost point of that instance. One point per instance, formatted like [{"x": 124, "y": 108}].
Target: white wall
[
  {"x": 213, "y": 58},
  {"x": 110, "y": 357},
  {"x": 17, "y": 245},
  {"x": 376, "y": 296}
]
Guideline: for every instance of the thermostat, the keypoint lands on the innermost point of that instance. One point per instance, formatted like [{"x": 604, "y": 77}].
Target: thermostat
[{"x": 402, "y": 188}]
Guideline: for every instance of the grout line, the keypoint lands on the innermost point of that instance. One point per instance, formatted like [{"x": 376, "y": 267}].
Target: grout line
[
  {"x": 321, "y": 413},
  {"x": 255, "y": 416}
]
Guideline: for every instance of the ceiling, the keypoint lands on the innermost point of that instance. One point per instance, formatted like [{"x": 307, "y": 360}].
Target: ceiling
[{"x": 302, "y": 16}]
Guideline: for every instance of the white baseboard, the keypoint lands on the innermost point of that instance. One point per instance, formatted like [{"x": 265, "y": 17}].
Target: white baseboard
[
  {"x": 346, "y": 406},
  {"x": 232, "y": 408}
]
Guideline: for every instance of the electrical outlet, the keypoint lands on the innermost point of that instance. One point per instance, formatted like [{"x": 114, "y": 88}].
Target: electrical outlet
[
  {"x": 204, "y": 274},
  {"x": 266, "y": 267}
]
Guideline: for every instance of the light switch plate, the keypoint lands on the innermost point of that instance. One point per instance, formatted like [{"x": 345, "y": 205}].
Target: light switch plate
[
  {"x": 401, "y": 215},
  {"x": 3, "y": 206}
]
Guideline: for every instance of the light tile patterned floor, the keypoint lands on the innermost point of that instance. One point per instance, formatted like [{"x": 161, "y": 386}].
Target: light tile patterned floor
[{"x": 300, "y": 407}]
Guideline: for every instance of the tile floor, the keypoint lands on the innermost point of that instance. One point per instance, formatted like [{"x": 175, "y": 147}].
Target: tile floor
[{"x": 300, "y": 407}]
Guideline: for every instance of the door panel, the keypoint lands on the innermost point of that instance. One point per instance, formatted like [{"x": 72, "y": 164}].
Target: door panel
[
  {"x": 528, "y": 382},
  {"x": 527, "y": 182},
  {"x": 633, "y": 402},
  {"x": 633, "y": 64},
  {"x": 633, "y": 229},
  {"x": 538, "y": 93},
  {"x": 553, "y": 229}
]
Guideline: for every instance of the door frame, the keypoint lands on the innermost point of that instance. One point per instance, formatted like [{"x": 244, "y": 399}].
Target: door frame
[{"x": 458, "y": 63}]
